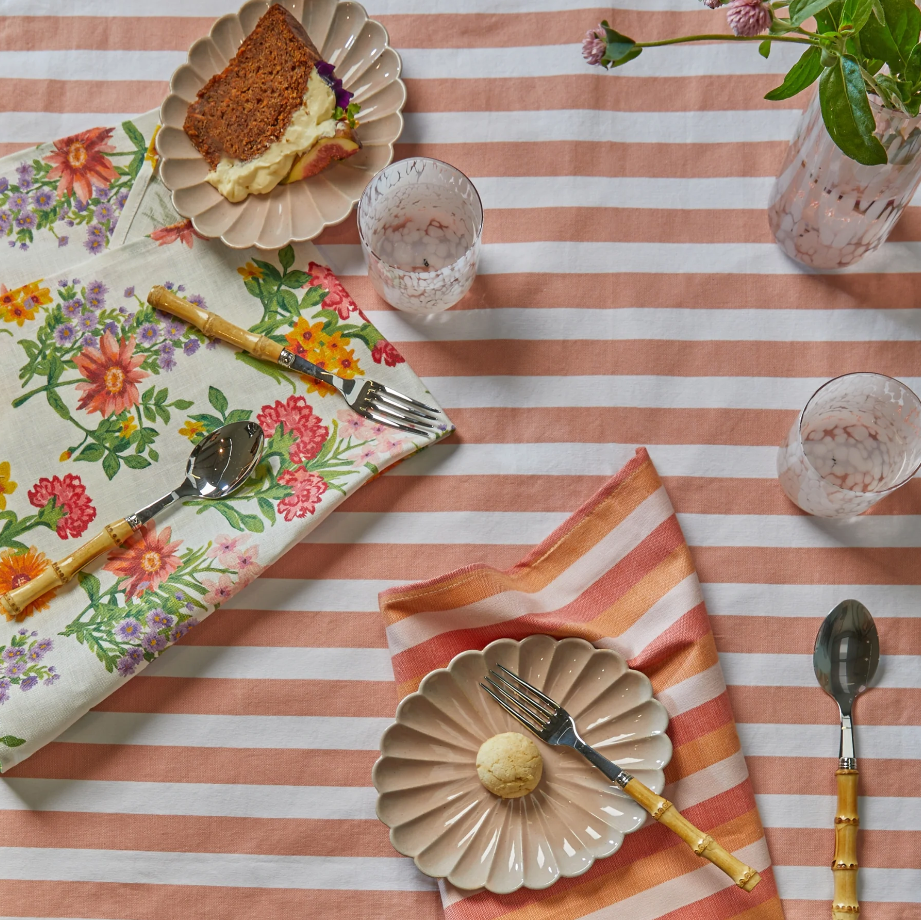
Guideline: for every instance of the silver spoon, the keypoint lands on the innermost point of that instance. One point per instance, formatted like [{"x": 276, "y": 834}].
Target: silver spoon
[
  {"x": 845, "y": 659},
  {"x": 219, "y": 464}
]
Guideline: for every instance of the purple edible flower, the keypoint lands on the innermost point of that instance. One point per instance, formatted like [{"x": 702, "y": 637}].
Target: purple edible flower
[
  {"x": 65, "y": 334},
  {"x": 43, "y": 199}
]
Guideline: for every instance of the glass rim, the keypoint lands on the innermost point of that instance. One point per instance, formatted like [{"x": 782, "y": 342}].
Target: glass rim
[
  {"x": 476, "y": 238},
  {"x": 802, "y": 416}
]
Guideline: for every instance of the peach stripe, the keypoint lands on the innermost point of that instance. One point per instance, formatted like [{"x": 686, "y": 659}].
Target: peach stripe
[
  {"x": 536, "y": 492},
  {"x": 816, "y": 776},
  {"x": 889, "y": 849},
  {"x": 640, "y": 356},
  {"x": 97, "y": 33},
  {"x": 239, "y": 696},
  {"x": 702, "y": 752},
  {"x": 23, "y": 94},
  {"x": 882, "y": 910},
  {"x": 195, "y": 834},
  {"x": 702, "y": 720}
]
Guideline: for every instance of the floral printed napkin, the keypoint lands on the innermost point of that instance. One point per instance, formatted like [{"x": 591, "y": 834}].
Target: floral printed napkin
[{"x": 102, "y": 400}]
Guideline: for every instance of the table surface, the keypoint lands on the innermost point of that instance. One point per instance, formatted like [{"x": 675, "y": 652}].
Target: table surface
[{"x": 630, "y": 293}]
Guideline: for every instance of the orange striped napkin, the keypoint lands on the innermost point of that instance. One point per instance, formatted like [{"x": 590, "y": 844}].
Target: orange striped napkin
[{"x": 619, "y": 574}]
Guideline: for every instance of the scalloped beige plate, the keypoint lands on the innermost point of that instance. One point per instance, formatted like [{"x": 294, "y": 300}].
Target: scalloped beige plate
[
  {"x": 359, "y": 49},
  {"x": 438, "y": 812}
]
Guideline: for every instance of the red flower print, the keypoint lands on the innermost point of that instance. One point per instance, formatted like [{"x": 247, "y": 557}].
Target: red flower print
[
  {"x": 308, "y": 489},
  {"x": 182, "y": 231},
  {"x": 16, "y": 570},
  {"x": 146, "y": 560},
  {"x": 79, "y": 162},
  {"x": 113, "y": 372},
  {"x": 384, "y": 351},
  {"x": 69, "y": 494},
  {"x": 338, "y": 297},
  {"x": 295, "y": 415}
]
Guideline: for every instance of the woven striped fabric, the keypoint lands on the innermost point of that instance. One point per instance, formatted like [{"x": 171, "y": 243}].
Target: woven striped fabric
[
  {"x": 630, "y": 292},
  {"x": 619, "y": 574}
]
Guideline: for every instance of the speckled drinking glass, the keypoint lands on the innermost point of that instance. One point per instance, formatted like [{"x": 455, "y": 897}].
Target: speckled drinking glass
[
  {"x": 420, "y": 222},
  {"x": 857, "y": 440}
]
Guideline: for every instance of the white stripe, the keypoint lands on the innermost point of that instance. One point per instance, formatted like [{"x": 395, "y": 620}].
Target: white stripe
[
  {"x": 562, "y": 590},
  {"x": 244, "y": 870},
  {"x": 707, "y": 783},
  {"x": 334, "y": 595},
  {"x": 693, "y": 691},
  {"x": 760, "y": 669},
  {"x": 530, "y": 527},
  {"x": 265, "y": 663},
  {"x": 896, "y": 742},
  {"x": 814, "y": 883},
  {"x": 647, "y": 392},
  {"x": 226, "y": 800},
  {"x": 877, "y": 813},
  {"x": 524, "y": 324},
  {"x": 561, "y": 459},
  {"x": 809, "y": 600},
  {"x": 328, "y": 733}
]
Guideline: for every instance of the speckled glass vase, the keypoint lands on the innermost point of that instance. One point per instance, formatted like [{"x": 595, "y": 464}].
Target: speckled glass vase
[
  {"x": 828, "y": 211},
  {"x": 420, "y": 222},
  {"x": 857, "y": 440}
]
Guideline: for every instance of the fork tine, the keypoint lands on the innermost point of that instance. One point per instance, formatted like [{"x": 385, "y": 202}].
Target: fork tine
[
  {"x": 368, "y": 413},
  {"x": 407, "y": 399},
  {"x": 535, "y": 705},
  {"x": 406, "y": 417},
  {"x": 530, "y": 687},
  {"x": 524, "y": 721},
  {"x": 384, "y": 395}
]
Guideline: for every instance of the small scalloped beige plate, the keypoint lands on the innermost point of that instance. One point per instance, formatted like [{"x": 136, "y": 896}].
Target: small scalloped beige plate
[
  {"x": 440, "y": 814},
  {"x": 359, "y": 49}
]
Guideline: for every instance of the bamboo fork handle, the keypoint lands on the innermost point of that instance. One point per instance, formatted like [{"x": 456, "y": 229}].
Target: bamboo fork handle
[
  {"x": 702, "y": 844},
  {"x": 845, "y": 905},
  {"x": 15, "y": 602},
  {"x": 213, "y": 325}
]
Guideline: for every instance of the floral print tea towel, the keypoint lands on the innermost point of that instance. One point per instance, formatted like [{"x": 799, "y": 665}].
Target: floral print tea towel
[{"x": 101, "y": 401}]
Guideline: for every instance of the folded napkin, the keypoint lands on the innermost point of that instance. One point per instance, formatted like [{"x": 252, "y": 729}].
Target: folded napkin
[
  {"x": 102, "y": 400},
  {"x": 619, "y": 574}
]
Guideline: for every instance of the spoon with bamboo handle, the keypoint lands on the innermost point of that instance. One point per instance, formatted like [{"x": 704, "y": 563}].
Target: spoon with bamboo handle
[
  {"x": 219, "y": 464},
  {"x": 845, "y": 659}
]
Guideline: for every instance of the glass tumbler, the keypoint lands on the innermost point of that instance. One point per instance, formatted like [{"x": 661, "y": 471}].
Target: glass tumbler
[
  {"x": 857, "y": 440},
  {"x": 420, "y": 222}
]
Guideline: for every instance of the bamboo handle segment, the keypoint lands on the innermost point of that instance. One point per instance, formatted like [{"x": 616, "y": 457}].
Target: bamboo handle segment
[
  {"x": 214, "y": 326},
  {"x": 702, "y": 844},
  {"x": 58, "y": 573},
  {"x": 845, "y": 905}
]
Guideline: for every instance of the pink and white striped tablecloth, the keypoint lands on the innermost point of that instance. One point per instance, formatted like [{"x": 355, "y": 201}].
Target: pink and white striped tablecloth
[{"x": 630, "y": 293}]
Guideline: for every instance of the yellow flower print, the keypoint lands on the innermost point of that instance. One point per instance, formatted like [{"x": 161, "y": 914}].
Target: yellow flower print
[
  {"x": 191, "y": 429},
  {"x": 129, "y": 426},
  {"x": 249, "y": 271},
  {"x": 346, "y": 364},
  {"x": 40, "y": 296},
  {"x": 7, "y": 486},
  {"x": 20, "y": 304},
  {"x": 305, "y": 339},
  {"x": 151, "y": 156},
  {"x": 317, "y": 386}
]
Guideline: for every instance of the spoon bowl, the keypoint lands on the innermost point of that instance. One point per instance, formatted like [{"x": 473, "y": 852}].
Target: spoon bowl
[{"x": 223, "y": 460}]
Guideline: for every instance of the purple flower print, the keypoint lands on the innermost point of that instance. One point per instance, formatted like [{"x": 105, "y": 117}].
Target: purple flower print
[
  {"x": 4, "y": 184},
  {"x": 18, "y": 201},
  {"x": 26, "y": 221},
  {"x": 12, "y": 653},
  {"x": 52, "y": 677},
  {"x": 191, "y": 346},
  {"x": 154, "y": 642},
  {"x": 95, "y": 301},
  {"x": 111, "y": 327},
  {"x": 43, "y": 199},
  {"x": 129, "y": 629},
  {"x": 15, "y": 668},
  {"x": 181, "y": 288},
  {"x": 68, "y": 223},
  {"x": 89, "y": 341},
  {"x": 63, "y": 282},
  {"x": 101, "y": 193},
  {"x": 94, "y": 246},
  {"x": 136, "y": 654},
  {"x": 4, "y": 691},
  {"x": 175, "y": 328},
  {"x": 80, "y": 206},
  {"x": 104, "y": 212},
  {"x": 157, "y": 619},
  {"x": 97, "y": 288},
  {"x": 88, "y": 321},
  {"x": 72, "y": 307},
  {"x": 167, "y": 360},
  {"x": 63, "y": 241},
  {"x": 183, "y": 628},
  {"x": 36, "y": 653},
  {"x": 169, "y": 285},
  {"x": 26, "y": 172},
  {"x": 23, "y": 246},
  {"x": 129, "y": 292},
  {"x": 198, "y": 300},
  {"x": 148, "y": 334},
  {"x": 65, "y": 334},
  {"x": 126, "y": 666},
  {"x": 121, "y": 198},
  {"x": 5, "y": 221},
  {"x": 95, "y": 232},
  {"x": 28, "y": 683}
]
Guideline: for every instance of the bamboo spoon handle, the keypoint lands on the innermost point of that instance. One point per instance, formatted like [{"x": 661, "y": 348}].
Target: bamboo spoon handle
[
  {"x": 702, "y": 844},
  {"x": 845, "y": 905},
  {"x": 15, "y": 602},
  {"x": 213, "y": 325}
]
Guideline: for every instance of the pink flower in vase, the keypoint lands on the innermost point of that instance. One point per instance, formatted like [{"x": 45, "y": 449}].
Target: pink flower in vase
[
  {"x": 748, "y": 17},
  {"x": 594, "y": 45}
]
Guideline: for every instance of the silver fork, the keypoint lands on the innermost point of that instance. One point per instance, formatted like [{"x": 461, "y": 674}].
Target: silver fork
[
  {"x": 553, "y": 724},
  {"x": 368, "y": 398}
]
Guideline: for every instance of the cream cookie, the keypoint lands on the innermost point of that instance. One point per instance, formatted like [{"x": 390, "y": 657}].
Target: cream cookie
[{"x": 509, "y": 765}]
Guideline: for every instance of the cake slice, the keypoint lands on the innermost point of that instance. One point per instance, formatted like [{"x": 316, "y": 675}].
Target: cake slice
[{"x": 271, "y": 106}]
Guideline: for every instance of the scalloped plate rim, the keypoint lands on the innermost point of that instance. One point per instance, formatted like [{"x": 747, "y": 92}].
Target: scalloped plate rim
[
  {"x": 447, "y": 668},
  {"x": 353, "y": 201}
]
